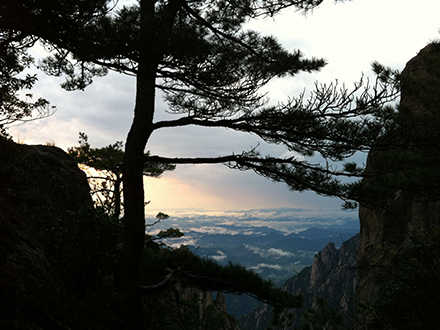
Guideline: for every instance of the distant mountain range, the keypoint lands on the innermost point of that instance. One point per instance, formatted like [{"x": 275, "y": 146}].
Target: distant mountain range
[
  {"x": 268, "y": 246},
  {"x": 271, "y": 247}
]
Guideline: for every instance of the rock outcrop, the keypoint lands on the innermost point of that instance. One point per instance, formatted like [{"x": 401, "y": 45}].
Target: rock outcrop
[
  {"x": 36, "y": 183},
  {"x": 410, "y": 205},
  {"x": 332, "y": 277}
]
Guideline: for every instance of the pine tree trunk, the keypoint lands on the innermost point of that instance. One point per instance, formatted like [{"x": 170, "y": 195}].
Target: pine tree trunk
[
  {"x": 134, "y": 217},
  {"x": 153, "y": 42}
]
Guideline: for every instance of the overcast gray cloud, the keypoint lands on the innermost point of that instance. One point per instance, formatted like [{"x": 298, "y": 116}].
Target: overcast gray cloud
[{"x": 349, "y": 35}]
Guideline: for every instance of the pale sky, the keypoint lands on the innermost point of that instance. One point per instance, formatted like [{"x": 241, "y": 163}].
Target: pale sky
[{"x": 349, "y": 35}]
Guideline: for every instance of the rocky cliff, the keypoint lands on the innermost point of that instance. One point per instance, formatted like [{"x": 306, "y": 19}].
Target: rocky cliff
[
  {"x": 409, "y": 205},
  {"x": 332, "y": 277},
  {"x": 39, "y": 186}
]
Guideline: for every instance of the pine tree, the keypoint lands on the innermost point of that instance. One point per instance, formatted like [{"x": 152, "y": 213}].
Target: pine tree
[
  {"x": 210, "y": 69},
  {"x": 106, "y": 185}
]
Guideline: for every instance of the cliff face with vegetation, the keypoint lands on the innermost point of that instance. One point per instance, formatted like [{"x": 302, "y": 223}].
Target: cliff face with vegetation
[
  {"x": 332, "y": 278},
  {"x": 58, "y": 254},
  {"x": 408, "y": 213}
]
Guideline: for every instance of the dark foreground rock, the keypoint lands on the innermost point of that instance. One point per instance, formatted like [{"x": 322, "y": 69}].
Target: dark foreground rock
[{"x": 40, "y": 187}]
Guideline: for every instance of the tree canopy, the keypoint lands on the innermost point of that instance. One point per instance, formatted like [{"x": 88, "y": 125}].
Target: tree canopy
[{"x": 211, "y": 69}]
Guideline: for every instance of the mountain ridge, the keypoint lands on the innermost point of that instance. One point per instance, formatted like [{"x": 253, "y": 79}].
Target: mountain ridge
[{"x": 332, "y": 277}]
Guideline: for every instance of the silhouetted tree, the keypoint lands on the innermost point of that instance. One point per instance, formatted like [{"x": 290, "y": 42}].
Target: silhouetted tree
[
  {"x": 14, "y": 59},
  {"x": 106, "y": 185}
]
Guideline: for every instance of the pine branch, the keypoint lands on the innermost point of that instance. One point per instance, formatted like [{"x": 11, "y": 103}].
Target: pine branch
[
  {"x": 243, "y": 160},
  {"x": 221, "y": 33},
  {"x": 147, "y": 289}
]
